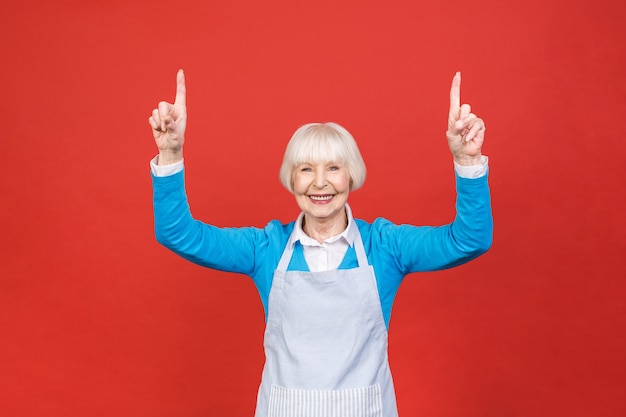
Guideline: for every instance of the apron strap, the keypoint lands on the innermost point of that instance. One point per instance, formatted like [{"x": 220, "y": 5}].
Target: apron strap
[
  {"x": 286, "y": 256},
  {"x": 359, "y": 248}
]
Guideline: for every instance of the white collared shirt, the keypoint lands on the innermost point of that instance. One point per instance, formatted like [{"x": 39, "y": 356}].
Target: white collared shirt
[{"x": 327, "y": 255}]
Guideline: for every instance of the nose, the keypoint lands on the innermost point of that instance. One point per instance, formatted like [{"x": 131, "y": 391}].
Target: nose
[{"x": 320, "y": 179}]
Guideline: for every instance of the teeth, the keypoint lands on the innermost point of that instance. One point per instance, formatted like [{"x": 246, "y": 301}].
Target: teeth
[{"x": 321, "y": 197}]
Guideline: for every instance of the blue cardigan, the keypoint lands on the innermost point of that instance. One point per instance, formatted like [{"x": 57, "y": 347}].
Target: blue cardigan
[{"x": 393, "y": 250}]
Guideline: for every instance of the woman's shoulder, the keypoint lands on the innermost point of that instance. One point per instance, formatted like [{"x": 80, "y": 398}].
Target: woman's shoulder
[
  {"x": 378, "y": 223},
  {"x": 374, "y": 228},
  {"x": 278, "y": 228}
]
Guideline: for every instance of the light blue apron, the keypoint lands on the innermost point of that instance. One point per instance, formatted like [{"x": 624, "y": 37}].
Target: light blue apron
[{"x": 326, "y": 344}]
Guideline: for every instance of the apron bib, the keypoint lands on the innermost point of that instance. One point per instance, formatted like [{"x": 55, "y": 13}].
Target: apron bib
[{"x": 326, "y": 345}]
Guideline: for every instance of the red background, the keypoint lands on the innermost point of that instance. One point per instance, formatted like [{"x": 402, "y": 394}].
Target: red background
[{"x": 97, "y": 319}]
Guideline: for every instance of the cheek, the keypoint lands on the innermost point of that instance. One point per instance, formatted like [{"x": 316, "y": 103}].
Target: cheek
[
  {"x": 298, "y": 184},
  {"x": 344, "y": 183}
]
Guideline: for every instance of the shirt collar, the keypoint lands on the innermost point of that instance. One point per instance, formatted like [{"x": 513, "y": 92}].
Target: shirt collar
[{"x": 299, "y": 235}]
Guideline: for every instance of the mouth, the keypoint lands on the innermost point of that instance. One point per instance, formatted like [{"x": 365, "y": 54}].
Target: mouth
[{"x": 321, "y": 199}]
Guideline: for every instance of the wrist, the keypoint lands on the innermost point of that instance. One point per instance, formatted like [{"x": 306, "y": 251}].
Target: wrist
[
  {"x": 168, "y": 157},
  {"x": 469, "y": 160}
]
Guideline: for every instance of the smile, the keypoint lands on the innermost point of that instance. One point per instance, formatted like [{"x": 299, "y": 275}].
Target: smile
[{"x": 321, "y": 198}]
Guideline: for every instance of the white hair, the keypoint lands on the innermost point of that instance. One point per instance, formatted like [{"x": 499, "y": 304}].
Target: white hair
[{"x": 322, "y": 142}]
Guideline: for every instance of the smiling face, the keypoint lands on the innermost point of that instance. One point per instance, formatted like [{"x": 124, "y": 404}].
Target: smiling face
[
  {"x": 322, "y": 142},
  {"x": 321, "y": 190},
  {"x": 321, "y": 165}
]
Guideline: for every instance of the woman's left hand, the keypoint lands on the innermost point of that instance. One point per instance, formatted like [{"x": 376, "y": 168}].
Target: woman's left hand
[{"x": 466, "y": 131}]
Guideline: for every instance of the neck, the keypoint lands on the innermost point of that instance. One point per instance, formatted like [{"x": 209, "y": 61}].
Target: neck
[{"x": 322, "y": 229}]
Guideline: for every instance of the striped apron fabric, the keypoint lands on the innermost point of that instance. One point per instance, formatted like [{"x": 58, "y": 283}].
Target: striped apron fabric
[
  {"x": 326, "y": 345},
  {"x": 358, "y": 402}
]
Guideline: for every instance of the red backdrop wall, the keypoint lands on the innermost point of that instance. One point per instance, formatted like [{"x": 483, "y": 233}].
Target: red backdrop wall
[{"x": 97, "y": 319}]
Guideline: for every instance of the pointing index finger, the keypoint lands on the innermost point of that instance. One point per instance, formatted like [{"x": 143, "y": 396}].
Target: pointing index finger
[
  {"x": 181, "y": 89},
  {"x": 455, "y": 96}
]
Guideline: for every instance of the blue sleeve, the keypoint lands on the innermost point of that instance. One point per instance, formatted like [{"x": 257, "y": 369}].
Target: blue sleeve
[
  {"x": 225, "y": 249},
  {"x": 397, "y": 250},
  {"x": 429, "y": 248},
  {"x": 247, "y": 250}
]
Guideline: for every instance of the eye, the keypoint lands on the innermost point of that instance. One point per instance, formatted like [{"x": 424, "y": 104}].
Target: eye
[{"x": 305, "y": 169}]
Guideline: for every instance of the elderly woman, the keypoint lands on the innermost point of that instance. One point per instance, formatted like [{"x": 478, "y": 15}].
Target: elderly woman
[{"x": 327, "y": 280}]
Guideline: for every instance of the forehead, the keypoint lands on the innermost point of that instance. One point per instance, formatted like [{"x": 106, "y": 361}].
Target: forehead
[{"x": 319, "y": 150}]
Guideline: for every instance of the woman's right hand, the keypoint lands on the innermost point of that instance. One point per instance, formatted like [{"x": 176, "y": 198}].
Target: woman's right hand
[{"x": 168, "y": 122}]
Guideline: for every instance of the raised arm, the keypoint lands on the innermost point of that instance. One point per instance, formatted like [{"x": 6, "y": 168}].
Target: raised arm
[
  {"x": 168, "y": 122},
  {"x": 175, "y": 227},
  {"x": 470, "y": 234}
]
